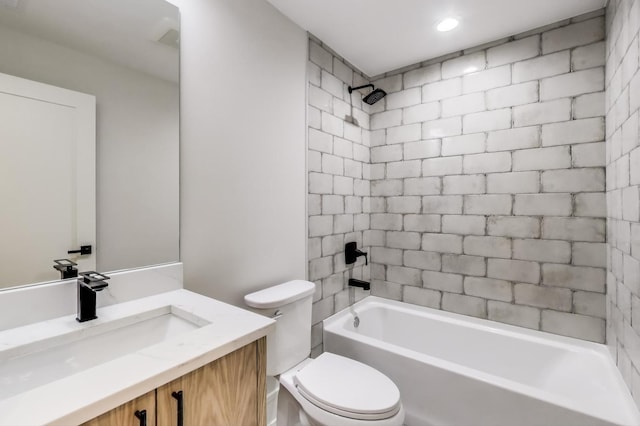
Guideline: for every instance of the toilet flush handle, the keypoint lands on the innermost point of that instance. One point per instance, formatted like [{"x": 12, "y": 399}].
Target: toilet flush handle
[{"x": 277, "y": 315}]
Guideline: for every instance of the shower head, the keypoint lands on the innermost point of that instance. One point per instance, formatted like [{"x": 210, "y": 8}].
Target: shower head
[{"x": 373, "y": 97}]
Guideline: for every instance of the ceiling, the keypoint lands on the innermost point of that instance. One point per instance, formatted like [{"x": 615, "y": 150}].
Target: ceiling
[
  {"x": 378, "y": 36},
  {"x": 121, "y": 31}
]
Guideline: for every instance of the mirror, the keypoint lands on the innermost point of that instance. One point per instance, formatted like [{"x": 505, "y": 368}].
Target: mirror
[{"x": 125, "y": 56}]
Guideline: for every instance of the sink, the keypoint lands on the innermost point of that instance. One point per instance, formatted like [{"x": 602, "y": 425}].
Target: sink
[
  {"x": 83, "y": 346},
  {"x": 62, "y": 372}
]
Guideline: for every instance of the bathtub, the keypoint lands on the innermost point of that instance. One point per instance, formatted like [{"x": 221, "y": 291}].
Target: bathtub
[{"x": 454, "y": 370}]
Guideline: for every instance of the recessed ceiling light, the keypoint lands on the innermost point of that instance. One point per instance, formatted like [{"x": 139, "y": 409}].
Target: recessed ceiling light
[{"x": 447, "y": 24}]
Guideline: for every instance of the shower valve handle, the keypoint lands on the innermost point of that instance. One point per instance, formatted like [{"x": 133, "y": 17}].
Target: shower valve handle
[
  {"x": 351, "y": 254},
  {"x": 363, "y": 253}
]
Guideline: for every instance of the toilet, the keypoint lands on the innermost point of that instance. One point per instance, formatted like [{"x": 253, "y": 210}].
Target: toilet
[{"x": 330, "y": 390}]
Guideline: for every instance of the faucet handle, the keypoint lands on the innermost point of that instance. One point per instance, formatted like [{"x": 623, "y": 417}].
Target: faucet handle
[
  {"x": 94, "y": 280},
  {"x": 363, "y": 253},
  {"x": 351, "y": 253}
]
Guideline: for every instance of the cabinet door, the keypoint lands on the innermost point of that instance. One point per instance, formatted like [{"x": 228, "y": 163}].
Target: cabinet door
[
  {"x": 125, "y": 415},
  {"x": 228, "y": 392}
]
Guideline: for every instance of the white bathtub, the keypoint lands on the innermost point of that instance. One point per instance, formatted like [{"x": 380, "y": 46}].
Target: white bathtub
[{"x": 454, "y": 370}]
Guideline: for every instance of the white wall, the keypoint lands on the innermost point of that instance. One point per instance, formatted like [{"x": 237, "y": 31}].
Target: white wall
[
  {"x": 137, "y": 130},
  {"x": 243, "y": 149}
]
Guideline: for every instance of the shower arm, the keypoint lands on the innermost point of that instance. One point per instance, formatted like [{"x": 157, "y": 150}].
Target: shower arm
[{"x": 351, "y": 89}]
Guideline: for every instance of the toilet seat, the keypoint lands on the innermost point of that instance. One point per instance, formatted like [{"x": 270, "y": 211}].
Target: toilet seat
[{"x": 348, "y": 388}]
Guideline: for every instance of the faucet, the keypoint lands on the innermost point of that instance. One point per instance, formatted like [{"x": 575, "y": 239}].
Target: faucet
[
  {"x": 359, "y": 283},
  {"x": 356, "y": 283},
  {"x": 66, "y": 267},
  {"x": 89, "y": 283},
  {"x": 352, "y": 297}
]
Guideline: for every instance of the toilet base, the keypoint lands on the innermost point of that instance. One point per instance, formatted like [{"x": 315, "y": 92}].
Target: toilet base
[{"x": 289, "y": 411}]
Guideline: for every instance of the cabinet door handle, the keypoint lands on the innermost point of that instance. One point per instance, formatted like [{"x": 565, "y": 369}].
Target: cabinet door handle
[
  {"x": 142, "y": 416},
  {"x": 179, "y": 399}
]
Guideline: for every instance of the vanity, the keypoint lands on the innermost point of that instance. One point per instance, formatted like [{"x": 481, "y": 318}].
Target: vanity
[
  {"x": 175, "y": 358},
  {"x": 227, "y": 391}
]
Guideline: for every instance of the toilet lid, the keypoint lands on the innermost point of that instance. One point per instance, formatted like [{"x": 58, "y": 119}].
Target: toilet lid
[{"x": 348, "y": 388}]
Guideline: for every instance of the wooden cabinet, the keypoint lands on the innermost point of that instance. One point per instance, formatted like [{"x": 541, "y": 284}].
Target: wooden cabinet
[
  {"x": 219, "y": 393},
  {"x": 125, "y": 415},
  {"x": 230, "y": 391}
]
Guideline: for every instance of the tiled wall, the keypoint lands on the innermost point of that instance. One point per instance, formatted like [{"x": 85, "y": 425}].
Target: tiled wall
[
  {"x": 477, "y": 185},
  {"x": 623, "y": 180},
  {"x": 487, "y": 182},
  {"x": 338, "y": 164}
]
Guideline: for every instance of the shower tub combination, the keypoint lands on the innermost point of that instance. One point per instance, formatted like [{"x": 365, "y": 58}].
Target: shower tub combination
[{"x": 457, "y": 370}]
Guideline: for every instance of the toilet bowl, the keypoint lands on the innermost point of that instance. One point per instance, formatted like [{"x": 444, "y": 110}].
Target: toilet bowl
[
  {"x": 330, "y": 390},
  {"x": 337, "y": 391}
]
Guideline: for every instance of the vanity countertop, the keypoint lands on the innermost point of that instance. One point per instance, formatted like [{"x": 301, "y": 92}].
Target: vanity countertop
[{"x": 82, "y": 396}]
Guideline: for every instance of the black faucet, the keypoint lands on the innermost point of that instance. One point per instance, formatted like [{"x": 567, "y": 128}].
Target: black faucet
[
  {"x": 89, "y": 283},
  {"x": 359, "y": 283},
  {"x": 351, "y": 253},
  {"x": 66, "y": 267}
]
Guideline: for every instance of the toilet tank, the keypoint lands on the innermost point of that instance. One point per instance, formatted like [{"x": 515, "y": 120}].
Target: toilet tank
[{"x": 289, "y": 342}]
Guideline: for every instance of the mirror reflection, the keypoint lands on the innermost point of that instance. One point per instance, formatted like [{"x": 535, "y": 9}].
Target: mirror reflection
[{"x": 89, "y": 136}]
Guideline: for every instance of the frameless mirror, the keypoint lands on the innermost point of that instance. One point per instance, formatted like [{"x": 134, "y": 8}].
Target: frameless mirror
[{"x": 89, "y": 136}]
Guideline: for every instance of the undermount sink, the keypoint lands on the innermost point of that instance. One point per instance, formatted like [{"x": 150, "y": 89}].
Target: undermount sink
[
  {"x": 83, "y": 346},
  {"x": 62, "y": 372}
]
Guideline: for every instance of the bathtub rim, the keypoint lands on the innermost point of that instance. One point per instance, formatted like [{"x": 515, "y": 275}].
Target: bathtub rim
[
  {"x": 627, "y": 411},
  {"x": 478, "y": 323}
]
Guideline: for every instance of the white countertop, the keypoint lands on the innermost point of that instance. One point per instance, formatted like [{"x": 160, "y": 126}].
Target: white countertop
[{"x": 89, "y": 393}]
